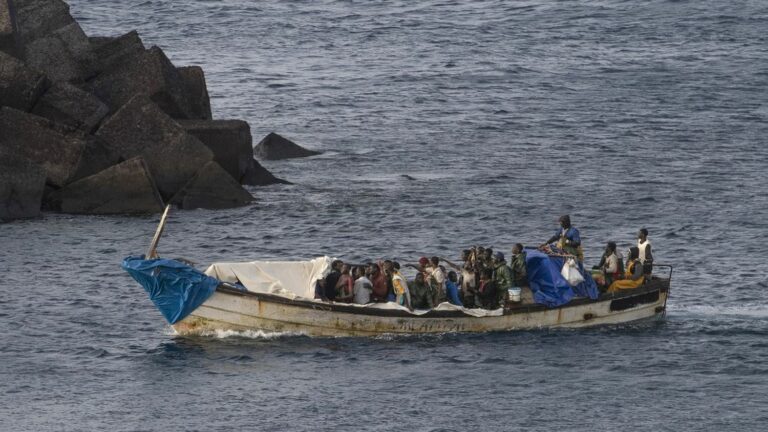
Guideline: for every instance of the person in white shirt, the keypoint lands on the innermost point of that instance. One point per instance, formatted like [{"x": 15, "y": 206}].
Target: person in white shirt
[
  {"x": 438, "y": 275},
  {"x": 362, "y": 288},
  {"x": 644, "y": 245}
]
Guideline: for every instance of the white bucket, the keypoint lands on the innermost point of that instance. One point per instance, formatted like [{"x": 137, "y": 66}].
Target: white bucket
[{"x": 514, "y": 294}]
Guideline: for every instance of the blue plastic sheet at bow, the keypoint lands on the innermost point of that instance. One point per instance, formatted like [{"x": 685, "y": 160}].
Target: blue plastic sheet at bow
[
  {"x": 175, "y": 288},
  {"x": 548, "y": 285}
]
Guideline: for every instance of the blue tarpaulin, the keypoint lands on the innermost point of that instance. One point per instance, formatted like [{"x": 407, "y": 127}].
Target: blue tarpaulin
[
  {"x": 548, "y": 285},
  {"x": 175, "y": 288}
]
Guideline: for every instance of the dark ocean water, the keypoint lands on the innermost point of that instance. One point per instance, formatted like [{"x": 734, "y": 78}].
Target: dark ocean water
[{"x": 444, "y": 124}]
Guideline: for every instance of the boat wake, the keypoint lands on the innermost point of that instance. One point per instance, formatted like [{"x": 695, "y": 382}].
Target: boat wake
[{"x": 748, "y": 310}]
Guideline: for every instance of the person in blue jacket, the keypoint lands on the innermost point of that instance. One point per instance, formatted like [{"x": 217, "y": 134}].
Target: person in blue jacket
[
  {"x": 568, "y": 238},
  {"x": 452, "y": 289}
]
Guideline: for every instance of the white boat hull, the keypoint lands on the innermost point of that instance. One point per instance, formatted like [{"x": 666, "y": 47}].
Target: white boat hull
[{"x": 231, "y": 310}]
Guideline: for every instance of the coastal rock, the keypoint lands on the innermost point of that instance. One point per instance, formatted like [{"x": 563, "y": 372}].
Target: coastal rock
[
  {"x": 146, "y": 72},
  {"x": 36, "y": 19},
  {"x": 20, "y": 86},
  {"x": 212, "y": 188},
  {"x": 96, "y": 156},
  {"x": 21, "y": 187},
  {"x": 66, "y": 104},
  {"x": 40, "y": 141},
  {"x": 141, "y": 128},
  {"x": 52, "y": 41},
  {"x": 124, "y": 188},
  {"x": 275, "y": 147},
  {"x": 110, "y": 51},
  {"x": 197, "y": 92},
  {"x": 8, "y": 42},
  {"x": 257, "y": 175}
]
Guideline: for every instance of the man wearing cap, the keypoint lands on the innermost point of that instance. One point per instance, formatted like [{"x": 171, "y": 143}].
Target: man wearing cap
[{"x": 502, "y": 275}]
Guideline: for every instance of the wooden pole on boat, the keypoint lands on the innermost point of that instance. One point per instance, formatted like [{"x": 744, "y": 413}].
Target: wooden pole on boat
[{"x": 152, "y": 251}]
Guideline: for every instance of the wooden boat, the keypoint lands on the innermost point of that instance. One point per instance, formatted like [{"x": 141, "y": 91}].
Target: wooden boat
[{"x": 231, "y": 307}]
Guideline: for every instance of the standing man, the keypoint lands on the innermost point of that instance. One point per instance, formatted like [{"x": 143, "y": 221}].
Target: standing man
[
  {"x": 644, "y": 246},
  {"x": 502, "y": 275},
  {"x": 568, "y": 238},
  {"x": 517, "y": 265}
]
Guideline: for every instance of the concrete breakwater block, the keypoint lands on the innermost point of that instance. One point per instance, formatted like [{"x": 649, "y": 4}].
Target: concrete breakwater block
[
  {"x": 149, "y": 73},
  {"x": 212, "y": 188},
  {"x": 40, "y": 141},
  {"x": 22, "y": 183},
  {"x": 257, "y": 175},
  {"x": 110, "y": 51},
  {"x": 232, "y": 146},
  {"x": 52, "y": 41},
  {"x": 66, "y": 104},
  {"x": 197, "y": 92},
  {"x": 20, "y": 86},
  {"x": 141, "y": 128},
  {"x": 275, "y": 147},
  {"x": 125, "y": 188}
]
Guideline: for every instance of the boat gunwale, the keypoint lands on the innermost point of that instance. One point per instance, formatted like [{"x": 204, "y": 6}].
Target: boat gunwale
[{"x": 656, "y": 284}]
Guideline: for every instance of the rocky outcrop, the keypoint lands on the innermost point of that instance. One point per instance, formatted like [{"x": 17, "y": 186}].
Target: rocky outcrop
[
  {"x": 172, "y": 154},
  {"x": 66, "y": 104},
  {"x": 95, "y": 121},
  {"x": 21, "y": 187},
  {"x": 125, "y": 188},
  {"x": 275, "y": 147},
  {"x": 232, "y": 147},
  {"x": 20, "y": 86},
  {"x": 212, "y": 188}
]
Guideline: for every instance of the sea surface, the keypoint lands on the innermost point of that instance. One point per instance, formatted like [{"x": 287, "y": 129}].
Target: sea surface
[{"x": 444, "y": 124}]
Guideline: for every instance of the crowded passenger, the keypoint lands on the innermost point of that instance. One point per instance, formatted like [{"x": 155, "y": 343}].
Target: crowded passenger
[
  {"x": 452, "y": 289},
  {"x": 486, "y": 294},
  {"x": 633, "y": 275},
  {"x": 644, "y": 247},
  {"x": 568, "y": 238},
  {"x": 421, "y": 294},
  {"x": 517, "y": 266},
  {"x": 379, "y": 282},
  {"x": 611, "y": 264},
  {"x": 400, "y": 287},
  {"x": 436, "y": 279},
  {"x": 328, "y": 285},
  {"x": 502, "y": 276},
  {"x": 344, "y": 287},
  {"x": 363, "y": 287}
]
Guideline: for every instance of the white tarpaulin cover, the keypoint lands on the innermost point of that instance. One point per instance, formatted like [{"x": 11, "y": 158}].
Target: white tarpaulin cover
[
  {"x": 294, "y": 279},
  {"x": 287, "y": 278}
]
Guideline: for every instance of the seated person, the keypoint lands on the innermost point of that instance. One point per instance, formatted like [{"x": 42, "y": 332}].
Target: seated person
[
  {"x": 633, "y": 276},
  {"x": 421, "y": 295},
  {"x": 486, "y": 295},
  {"x": 362, "y": 287},
  {"x": 612, "y": 264},
  {"x": 379, "y": 281},
  {"x": 329, "y": 284},
  {"x": 452, "y": 289},
  {"x": 344, "y": 291}
]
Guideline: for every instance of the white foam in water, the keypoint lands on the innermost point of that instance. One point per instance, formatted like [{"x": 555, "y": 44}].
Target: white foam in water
[{"x": 751, "y": 310}]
